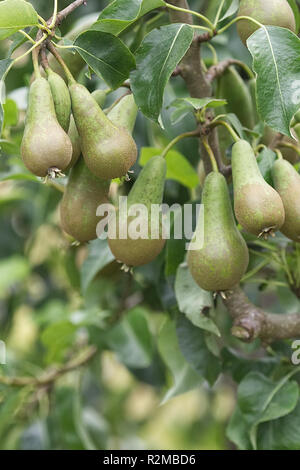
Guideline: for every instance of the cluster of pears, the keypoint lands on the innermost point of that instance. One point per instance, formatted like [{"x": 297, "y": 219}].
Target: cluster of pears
[
  {"x": 221, "y": 260},
  {"x": 67, "y": 130}
]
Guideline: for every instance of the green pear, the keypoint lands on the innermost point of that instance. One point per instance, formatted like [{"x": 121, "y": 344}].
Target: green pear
[
  {"x": 84, "y": 193},
  {"x": 148, "y": 189},
  {"x": 287, "y": 184},
  {"x": 61, "y": 98},
  {"x": 266, "y": 12},
  {"x": 222, "y": 257},
  {"x": 258, "y": 207},
  {"x": 124, "y": 113},
  {"x": 46, "y": 149},
  {"x": 109, "y": 151}
]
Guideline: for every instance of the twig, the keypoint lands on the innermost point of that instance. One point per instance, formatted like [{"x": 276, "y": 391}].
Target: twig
[
  {"x": 217, "y": 70},
  {"x": 61, "y": 15},
  {"x": 52, "y": 374}
]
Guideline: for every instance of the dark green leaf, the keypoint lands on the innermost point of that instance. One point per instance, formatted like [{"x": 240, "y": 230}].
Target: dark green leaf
[
  {"x": 193, "y": 346},
  {"x": 99, "y": 256},
  {"x": 265, "y": 161},
  {"x": 275, "y": 53},
  {"x": 156, "y": 58},
  {"x": 106, "y": 55},
  {"x": 120, "y": 14}
]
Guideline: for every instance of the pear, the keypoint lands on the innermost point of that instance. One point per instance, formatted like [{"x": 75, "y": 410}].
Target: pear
[
  {"x": 100, "y": 97},
  {"x": 266, "y": 12},
  {"x": 61, "y": 98},
  {"x": 124, "y": 113},
  {"x": 232, "y": 87},
  {"x": 84, "y": 193},
  {"x": 109, "y": 151},
  {"x": 46, "y": 149},
  {"x": 258, "y": 207},
  {"x": 287, "y": 184},
  {"x": 147, "y": 190},
  {"x": 222, "y": 257}
]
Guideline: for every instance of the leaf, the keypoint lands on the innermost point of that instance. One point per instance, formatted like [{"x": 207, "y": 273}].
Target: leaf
[
  {"x": 281, "y": 434},
  {"x": 237, "y": 430},
  {"x": 131, "y": 339},
  {"x": 230, "y": 7},
  {"x": 156, "y": 58},
  {"x": 11, "y": 114},
  {"x": 57, "y": 337},
  {"x": 275, "y": 53},
  {"x": 120, "y": 14},
  {"x": 294, "y": 7},
  {"x": 260, "y": 400},
  {"x": 192, "y": 300},
  {"x": 4, "y": 65},
  {"x": 175, "y": 247},
  {"x": 99, "y": 256},
  {"x": 178, "y": 167},
  {"x": 106, "y": 55},
  {"x": 12, "y": 271},
  {"x": 265, "y": 161},
  {"x": 193, "y": 346},
  {"x": 185, "y": 377},
  {"x": 15, "y": 15},
  {"x": 185, "y": 105}
]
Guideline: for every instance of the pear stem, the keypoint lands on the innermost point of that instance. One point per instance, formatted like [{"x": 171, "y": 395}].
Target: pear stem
[
  {"x": 239, "y": 18},
  {"x": 54, "y": 16},
  {"x": 35, "y": 61},
  {"x": 279, "y": 154},
  {"x": 26, "y": 36},
  {"x": 191, "y": 12},
  {"x": 290, "y": 146},
  {"x": 177, "y": 139},
  {"x": 234, "y": 135},
  {"x": 210, "y": 154},
  {"x": 59, "y": 59}
]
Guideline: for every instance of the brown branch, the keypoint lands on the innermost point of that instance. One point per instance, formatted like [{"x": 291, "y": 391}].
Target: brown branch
[
  {"x": 251, "y": 322},
  {"x": 52, "y": 374},
  {"x": 217, "y": 70},
  {"x": 61, "y": 15},
  {"x": 205, "y": 37}
]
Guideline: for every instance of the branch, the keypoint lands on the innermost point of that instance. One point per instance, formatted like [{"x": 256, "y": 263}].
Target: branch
[
  {"x": 217, "y": 70},
  {"x": 61, "y": 15},
  {"x": 52, "y": 374},
  {"x": 194, "y": 77},
  {"x": 251, "y": 322}
]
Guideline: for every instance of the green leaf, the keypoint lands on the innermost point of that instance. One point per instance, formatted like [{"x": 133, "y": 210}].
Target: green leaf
[
  {"x": 11, "y": 114},
  {"x": 237, "y": 430},
  {"x": 175, "y": 247},
  {"x": 57, "y": 337},
  {"x": 193, "y": 346},
  {"x": 131, "y": 339},
  {"x": 15, "y": 15},
  {"x": 275, "y": 53},
  {"x": 4, "y": 65},
  {"x": 178, "y": 167},
  {"x": 99, "y": 256},
  {"x": 260, "y": 400},
  {"x": 186, "y": 105},
  {"x": 106, "y": 55},
  {"x": 294, "y": 7},
  {"x": 192, "y": 300},
  {"x": 185, "y": 377},
  {"x": 265, "y": 161},
  {"x": 230, "y": 7},
  {"x": 120, "y": 14},
  {"x": 156, "y": 58},
  {"x": 12, "y": 271},
  {"x": 281, "y": 434}
]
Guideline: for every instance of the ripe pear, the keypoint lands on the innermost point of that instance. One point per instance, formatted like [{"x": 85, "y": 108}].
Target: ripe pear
[
  {"x": 124, "y": 113},
  {"x": 147, "y": 190},
  {"x": 258, "y": 207},
  {"x": 46, "y": 149},
  {"x": 222, "y": 257},
  {"x": 232, "y": 87},
  {"x": 266, "y": 12},
  {"x": 287, "y": 184},
  {"x": 61, "y": 98},
  {"x": 109, "y": 151},
  {"x": 84, "y": 193}
]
